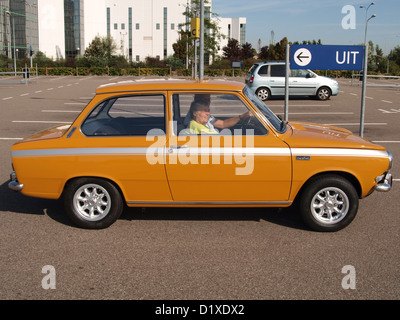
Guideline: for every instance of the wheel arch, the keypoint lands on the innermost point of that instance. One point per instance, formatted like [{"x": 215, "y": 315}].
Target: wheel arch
[
  {"x": 348, "y": 176},
  {"x": 70, "y": 180}
]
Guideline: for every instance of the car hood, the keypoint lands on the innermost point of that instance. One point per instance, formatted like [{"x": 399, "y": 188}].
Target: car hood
[
  {"x": 327, "y": 79},
  {"x": 307, "y": 135},
  {"x": 50, "y": 133}
]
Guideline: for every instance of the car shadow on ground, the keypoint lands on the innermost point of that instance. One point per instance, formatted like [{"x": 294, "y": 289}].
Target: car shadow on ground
[
  {"x": 12, "y": 201},
  {"x": 287, "y": 217}
]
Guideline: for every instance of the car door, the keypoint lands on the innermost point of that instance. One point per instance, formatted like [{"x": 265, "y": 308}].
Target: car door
[
  {"x": 118, "y": 134},
  {"x": 245, "y": 163},
  {"x": 277, "y": 79},
  {"x": 302, "y": 82}
]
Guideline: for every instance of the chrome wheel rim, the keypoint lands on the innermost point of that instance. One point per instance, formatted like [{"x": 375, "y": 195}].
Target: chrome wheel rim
[
  {"x": 263, "y": 94},
  {"x": 92, "y": 202},
  {"x": 323, "y": 94},
  {"x": 330, "y": 205}
]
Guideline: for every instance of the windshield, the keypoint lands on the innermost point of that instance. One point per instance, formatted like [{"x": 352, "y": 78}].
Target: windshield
[{"x": 278, "y": 124}]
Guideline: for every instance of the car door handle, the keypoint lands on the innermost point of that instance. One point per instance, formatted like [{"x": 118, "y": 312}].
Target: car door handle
[{"x": 172, "y": 148}]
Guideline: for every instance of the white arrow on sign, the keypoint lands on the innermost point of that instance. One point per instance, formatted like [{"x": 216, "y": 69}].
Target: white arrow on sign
[{"x": 302, "y": 57}]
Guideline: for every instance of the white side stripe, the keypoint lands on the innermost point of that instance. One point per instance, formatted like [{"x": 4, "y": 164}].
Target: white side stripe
[
  {"x": 338, "y": 152},
  {"x": 320, "y": 152}
]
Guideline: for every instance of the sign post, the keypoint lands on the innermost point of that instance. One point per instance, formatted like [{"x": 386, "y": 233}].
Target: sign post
[
  {"x": 287, "y": 70},
  {"x": 364, "y": 88}
]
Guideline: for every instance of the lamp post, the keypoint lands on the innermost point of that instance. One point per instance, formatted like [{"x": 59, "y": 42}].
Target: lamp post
[
  {"x": 201, "y": 54},
  {"x": 13, "y": 34},
  {"x": 365, "y": 69}
]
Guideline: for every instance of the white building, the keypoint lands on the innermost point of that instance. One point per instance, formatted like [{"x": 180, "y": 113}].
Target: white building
[
  {"x": 140, "y": 28},
  {"x": 232, "y": 28}
]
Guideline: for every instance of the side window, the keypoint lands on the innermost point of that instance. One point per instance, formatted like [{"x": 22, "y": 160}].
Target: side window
[
  {"x": 278, "y": 70},
  {"x": 263, "y": 71},
  {"x": 126, "y": 116},
  {"x": 299, "y": 73},
  {"x": 219, "y": 113}
]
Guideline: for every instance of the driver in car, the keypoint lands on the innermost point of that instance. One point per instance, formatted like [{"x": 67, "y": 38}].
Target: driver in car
[{"x": 203, "y": 122}]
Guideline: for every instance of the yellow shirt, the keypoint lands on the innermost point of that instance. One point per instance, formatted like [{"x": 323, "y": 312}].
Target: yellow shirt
[{"x": 198, "y": 128}]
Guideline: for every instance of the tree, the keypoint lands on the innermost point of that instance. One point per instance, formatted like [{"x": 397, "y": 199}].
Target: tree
[
  {"x": 232, "y": 50},
  {"x": 212, "y": 35},
  {"x": 246, "y": 51},
  {"x": 100, "y": 51}
]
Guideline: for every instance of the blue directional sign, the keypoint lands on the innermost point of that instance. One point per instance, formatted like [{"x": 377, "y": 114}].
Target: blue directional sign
[{"x": 326, "y": 57}]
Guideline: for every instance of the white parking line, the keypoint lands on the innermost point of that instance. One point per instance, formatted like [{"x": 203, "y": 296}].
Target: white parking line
[
  {"x": 355, "y": 124},
  {"x": 8, "y": 98},
  {"x": 76, "y": 103},
  {"x": 38, "y": 91},
  {"x": 32, "y": 121},
  {"x": 386, "y": 141},
  {"x": 11, "y": 138},
  {"x": 299, "y": 105},
  {"x": 61, "y": 111},
  {"x": 24, "y": 94},
  {"x": 386, "y": 101},
  {"x": 318, "y": 113}
]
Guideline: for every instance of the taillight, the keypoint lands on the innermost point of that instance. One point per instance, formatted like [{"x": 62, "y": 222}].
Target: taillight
[{"x": 251, "y": 78}]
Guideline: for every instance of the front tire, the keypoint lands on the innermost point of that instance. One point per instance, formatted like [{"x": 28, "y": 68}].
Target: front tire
[
  {"x": 328, "y": 203},
  {"x": 323, "y": 93},
  {"x": 92, "y": 203}
]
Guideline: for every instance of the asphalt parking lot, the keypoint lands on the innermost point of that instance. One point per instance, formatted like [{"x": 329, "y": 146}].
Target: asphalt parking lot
[{"x": 163, "y": 253}]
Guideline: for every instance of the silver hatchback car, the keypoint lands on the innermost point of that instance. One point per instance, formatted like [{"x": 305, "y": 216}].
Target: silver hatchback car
[{"x": 267, "y": 79}]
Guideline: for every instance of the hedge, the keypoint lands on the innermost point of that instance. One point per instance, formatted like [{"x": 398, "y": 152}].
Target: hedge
[{"x": 111, "y": 71}]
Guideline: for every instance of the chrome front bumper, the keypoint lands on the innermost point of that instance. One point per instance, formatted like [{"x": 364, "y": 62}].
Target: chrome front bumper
[
  {"x": 384, "y": 183},
  {"x": 14, "y": 184}
]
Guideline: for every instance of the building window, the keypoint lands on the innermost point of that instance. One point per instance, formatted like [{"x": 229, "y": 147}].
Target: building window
[
  {"x": 137, "y": 58},
  {"x": 137, "y": 26},
  {"x": 157, "y": 26},
  {"x": 172, "y": 26},
  {"x": 242, "y": 33},
  {"x": 122, "y": 26},
  {"x": 108, "y": 21},
  {"x": 115, "y": 26}
]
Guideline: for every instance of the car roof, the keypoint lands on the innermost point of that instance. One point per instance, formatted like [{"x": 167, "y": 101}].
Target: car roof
[
  {"x": 271, "y": 62},
  {"x": 170, "y": 84}
]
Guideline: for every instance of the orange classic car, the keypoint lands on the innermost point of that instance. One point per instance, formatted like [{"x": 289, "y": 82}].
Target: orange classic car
[{"x": 196, "y": 143}]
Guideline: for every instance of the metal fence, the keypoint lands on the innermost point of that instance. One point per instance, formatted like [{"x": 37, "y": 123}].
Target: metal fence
[
  {"x": 15, "y": 77},
  {"x": 357, "y": 77}
]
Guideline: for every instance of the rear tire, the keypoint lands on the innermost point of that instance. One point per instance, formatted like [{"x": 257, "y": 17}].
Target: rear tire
[
  {"x": 328, "y": 203},
  {"x": 263, "y": 94},
  {"x": 92, "y": 203}
]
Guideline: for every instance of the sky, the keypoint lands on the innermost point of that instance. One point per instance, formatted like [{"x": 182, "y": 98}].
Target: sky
[{"x": 300, "y": 20}]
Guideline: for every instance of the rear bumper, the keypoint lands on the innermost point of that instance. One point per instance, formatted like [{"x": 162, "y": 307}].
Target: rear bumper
[{"x": 14, "y": 184}]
